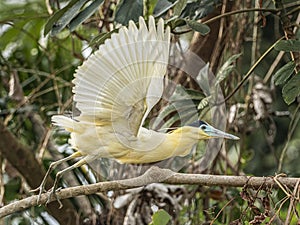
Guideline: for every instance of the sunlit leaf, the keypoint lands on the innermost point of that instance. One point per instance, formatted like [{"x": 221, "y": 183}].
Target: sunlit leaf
[
  {"x": 283, "y": 74},
  {"x": 150, "y": 4},
  {"x": 18, "y": 10},
  {"x": 12, "y": 35},
  {"x": 160, "y": 217},
  {"x": 291, "y": 89},
  {"x": 204, "y": 102}
]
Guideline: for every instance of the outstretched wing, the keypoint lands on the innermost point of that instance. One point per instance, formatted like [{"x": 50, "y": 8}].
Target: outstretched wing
[{"x": 123, "y": 80}]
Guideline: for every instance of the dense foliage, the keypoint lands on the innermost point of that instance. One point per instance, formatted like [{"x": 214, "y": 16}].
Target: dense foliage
[{"x": 252, "y": 47}]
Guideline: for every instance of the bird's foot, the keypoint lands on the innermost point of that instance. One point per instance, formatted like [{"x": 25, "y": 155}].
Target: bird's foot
[
  {"x": 52, "y": 194},
  {"x": 39, "y": 189}
]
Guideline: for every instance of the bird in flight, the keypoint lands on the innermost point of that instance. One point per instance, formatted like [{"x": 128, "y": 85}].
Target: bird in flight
[{"x": 114, "y": 90}]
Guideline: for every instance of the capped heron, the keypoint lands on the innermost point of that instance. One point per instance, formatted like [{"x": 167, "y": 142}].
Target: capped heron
[{"x": 115, "y": 89}]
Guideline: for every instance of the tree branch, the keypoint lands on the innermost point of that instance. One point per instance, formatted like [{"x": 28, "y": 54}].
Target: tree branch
[
  {"x": 154, "y": 175},
  {"x": 22, "y": 158}
]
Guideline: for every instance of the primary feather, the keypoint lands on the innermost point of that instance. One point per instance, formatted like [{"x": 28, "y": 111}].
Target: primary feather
[
  {"x": 116, "y": 88},
  {"x": 113, "y": 84}
]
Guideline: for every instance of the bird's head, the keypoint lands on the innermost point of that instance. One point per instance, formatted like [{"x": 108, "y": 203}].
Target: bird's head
[{"x": 207, "y": 131}]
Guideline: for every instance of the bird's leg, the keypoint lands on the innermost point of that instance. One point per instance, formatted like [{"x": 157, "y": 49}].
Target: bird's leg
[
  {"x": 59, "y": 175},
  {"x": 52, "y": 166}
]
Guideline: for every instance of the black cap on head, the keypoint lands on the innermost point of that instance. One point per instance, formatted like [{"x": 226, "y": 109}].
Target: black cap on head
[{"x": 197, "y": 123}]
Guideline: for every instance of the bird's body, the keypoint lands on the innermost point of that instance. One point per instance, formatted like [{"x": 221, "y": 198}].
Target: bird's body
[
  {"x": 168, "y": 145},
  {"x": 150, "y": 146},
  {"x": 114, "y": 90}
]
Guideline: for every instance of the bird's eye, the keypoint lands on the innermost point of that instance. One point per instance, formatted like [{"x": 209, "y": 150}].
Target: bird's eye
[{"x": 203, "y": 127}]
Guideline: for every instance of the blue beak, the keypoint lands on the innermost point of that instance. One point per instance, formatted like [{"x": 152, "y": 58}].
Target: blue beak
[{"x": 215, "y": 133}]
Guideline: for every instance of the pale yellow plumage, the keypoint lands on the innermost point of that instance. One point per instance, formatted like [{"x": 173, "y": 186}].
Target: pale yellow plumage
[{"x": 115, "y": 89}]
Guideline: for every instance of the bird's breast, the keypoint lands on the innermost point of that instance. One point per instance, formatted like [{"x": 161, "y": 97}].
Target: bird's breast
[{"x": 156, "y": 147}]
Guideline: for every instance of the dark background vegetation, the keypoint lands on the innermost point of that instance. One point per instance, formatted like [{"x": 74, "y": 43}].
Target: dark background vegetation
[{"x": 42, "y": 42}]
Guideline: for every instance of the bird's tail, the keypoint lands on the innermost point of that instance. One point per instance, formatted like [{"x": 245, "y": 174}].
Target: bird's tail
[{"x": 68, "y": 123}]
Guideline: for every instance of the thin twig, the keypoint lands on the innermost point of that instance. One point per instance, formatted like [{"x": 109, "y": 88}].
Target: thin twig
[
  {"x": 221, "y": 210},
  {"x": 273, "y": 66},
  {"x": 250, "y": 71},
  {"x": 240, "y": 11},
  {"x": 292, "y": 126},
  {"x": 292, "y": 202},
  {"x": 228, "y": 14}
]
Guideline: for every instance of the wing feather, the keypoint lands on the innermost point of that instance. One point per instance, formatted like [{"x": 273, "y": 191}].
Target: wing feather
[{"x": 123, "y": 80}]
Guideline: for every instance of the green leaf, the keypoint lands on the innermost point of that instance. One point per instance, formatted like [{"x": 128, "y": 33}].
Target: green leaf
[
  {"x": 84, "y": 14},
  {"x": 58, "y": 14},
  {"x": 162, "y": 7},
  {"x": 100, "y": 39},
  {"x": 174, "y": 119},
  {"x": 195, "y": 95},
  {"x": 179, "y": 94},
  {"x": 179, "y": 7},
  {"x": 182, "y": 105},
  {"x": 199, "y": 27},
  {"x": 204, "y": 102},
  {"x": 182, "y": 111},
  {"x": 160, "y": 217},
  {"x": 176, "y": 22},
  {"x": 67, "y": 16},
  {"x": 291, "y": 89},
  {"x": 288, "y": 46},
  {"x": 283, "y": 74},
  {"x": 202, "y": 79},
  {"x": 150, "y": 4},
  {"x": 12, "y": 188},
  {"x": 129, "y": 10},
  {"x": 166, "y": 111},
  {"x": 226, "y": 69},
  {"x": 182, "y": 108},
  {"x": 188, "y": 115},
  {"x": 12, "y": 34}
]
